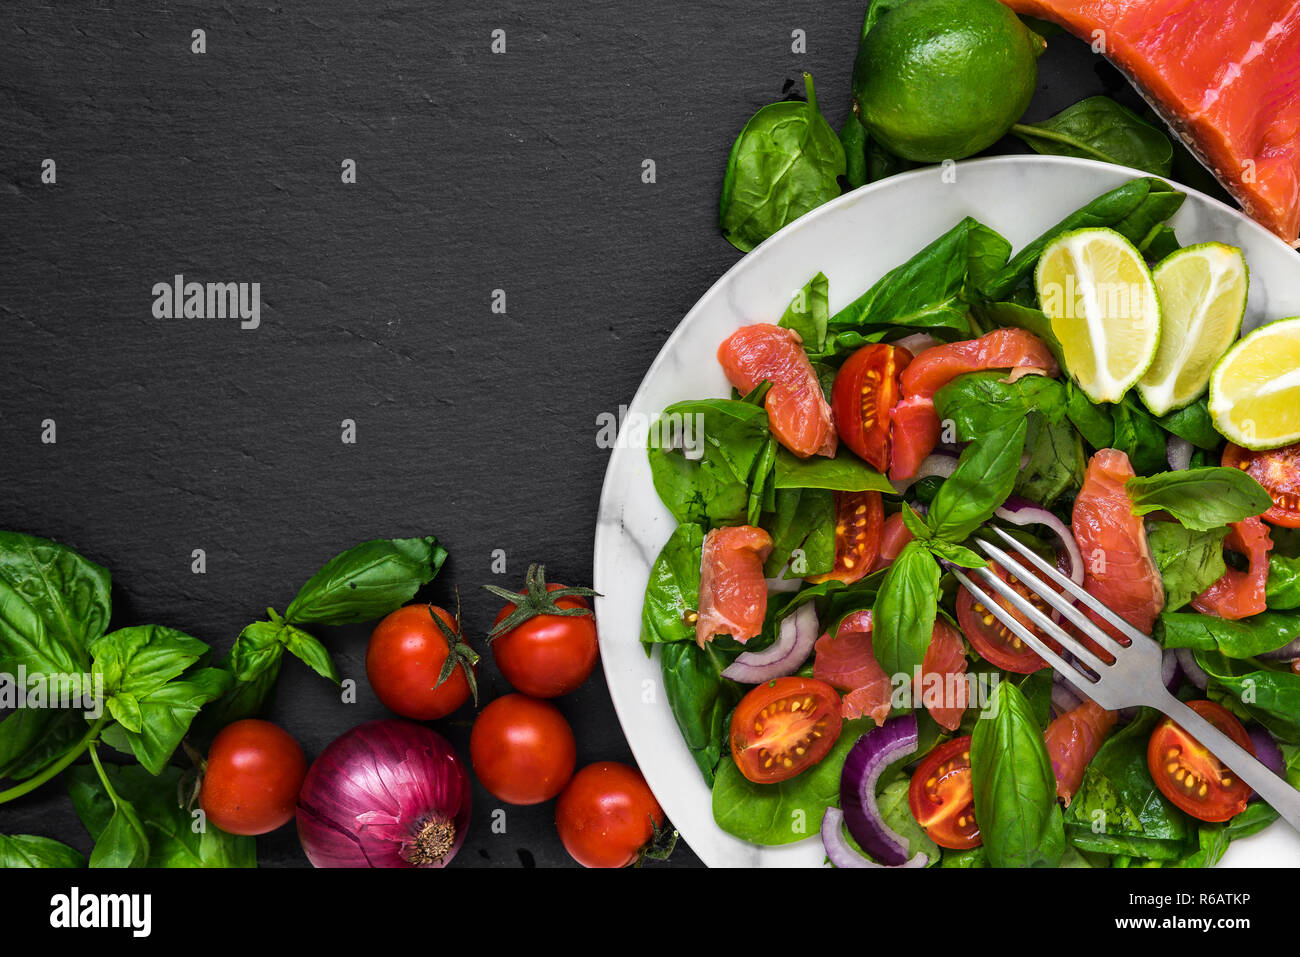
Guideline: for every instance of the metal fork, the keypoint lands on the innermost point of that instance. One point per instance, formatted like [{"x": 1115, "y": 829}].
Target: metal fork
[{"x": 1131, "y": 679}]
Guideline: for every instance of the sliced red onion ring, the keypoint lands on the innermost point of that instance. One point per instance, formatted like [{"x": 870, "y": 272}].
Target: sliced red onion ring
[
  {"x": 1178, "y": 453},
  {"x": 917, "y": 342},
  {"x": 1169, "y": 669},
  {"x": 795, "y": 637},
  {"x": 1191, "y": 670},
  {"x": 782, "y": 584},
  {"x": 1019, "y": 511},
  {"x": 1288, "y": 652},
  {"x": 1065, "y": 697},
  {"x": 873, "y": 752},
  {"x": 941, "y": 464},
  {"x": 842, "y": 854},
  {"x": 1266, "y": 749}
]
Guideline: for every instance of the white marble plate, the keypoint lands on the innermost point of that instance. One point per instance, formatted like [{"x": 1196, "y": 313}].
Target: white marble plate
[{"x": 853, "y": 240}]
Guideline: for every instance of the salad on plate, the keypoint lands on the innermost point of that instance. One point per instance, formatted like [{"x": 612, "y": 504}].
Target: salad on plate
[{"x": 1091, "y": 394}]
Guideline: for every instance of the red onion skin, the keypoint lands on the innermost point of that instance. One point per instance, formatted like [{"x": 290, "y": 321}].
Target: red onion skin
[
  {"x": 376, "y": 790},
  {"x": 1266, "y": 749},
  {"x": 876, "y": 749}
]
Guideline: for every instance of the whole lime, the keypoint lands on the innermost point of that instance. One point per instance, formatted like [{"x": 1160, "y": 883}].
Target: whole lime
[{"x": 943, "y": 79}]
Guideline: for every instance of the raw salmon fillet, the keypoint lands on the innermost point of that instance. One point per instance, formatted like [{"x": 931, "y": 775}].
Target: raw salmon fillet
[
  {"x": 1225, "y": 74},
  {"x": 797, "y": 410},
  {"x": 733, "y": 592},
  {"x": 1117, "y": 563}
]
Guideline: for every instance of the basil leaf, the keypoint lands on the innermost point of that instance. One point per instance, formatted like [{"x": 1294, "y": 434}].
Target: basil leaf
[
  {"x": 123, "y": 842},
  {"x": 673, "y": 591},
  {"x": 1119, "y": 810},
  {"x": 1189, "y": 561},
  {"x": 367, "y": 581},
  {"x": 169, "y": 827},
  {"x": 1283, "y": 589},
  {"x": 141, "y": 658},
  {"x": 712, "y": 488},
  {"x": 844, "y": 473},
  {"x": 1014, "y": 786},
  {"x": 789, "y": 810},
  {"x": 956, "y": 554},
  {"x": 982, "y": 401},
  {"x": 66, "y": 593},
  {"x": 786, "y": 162},
  {"x": 1101, "y": 129},
  {"x": 166, "y": 714},
  {"x": 809, "y": 311},
  {"x": 31, "y": 739},
  {"x": 804, "y": 520},
  {"x": 904, "y": 610},
  {"x": 1200, "y": 498},
  {"x": 29, "y": 850},
  {"x": 1244, "y": 638},
  {"x": 985, "y": 474},
  {"x": 701, "y": 699}
]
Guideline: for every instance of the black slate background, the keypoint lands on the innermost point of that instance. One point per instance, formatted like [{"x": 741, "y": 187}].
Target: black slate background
[{"x": 475, "y": 171}]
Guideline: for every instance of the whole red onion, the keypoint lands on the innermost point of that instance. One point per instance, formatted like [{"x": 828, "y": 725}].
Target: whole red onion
[{"x": 385, "y": 794}]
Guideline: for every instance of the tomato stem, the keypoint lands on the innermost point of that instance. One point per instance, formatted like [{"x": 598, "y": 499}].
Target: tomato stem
[{"x": 536, "y": 600}]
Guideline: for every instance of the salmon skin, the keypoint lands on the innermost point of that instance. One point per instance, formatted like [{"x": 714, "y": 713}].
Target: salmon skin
[{"x": 1225, "y": 74}]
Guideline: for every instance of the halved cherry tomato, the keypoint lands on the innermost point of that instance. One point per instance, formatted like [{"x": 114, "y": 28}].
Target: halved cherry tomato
[
  {"x": 992, "y": 639},
  {"x": 1192, "y": 777},
  {"x": 783, "y": 727},
  {"x": 1278, "y": 470},
  {"x": 865, "y": 389},
  {"x": 859, "y": 517},
  {"x": 942, "y": 797}
]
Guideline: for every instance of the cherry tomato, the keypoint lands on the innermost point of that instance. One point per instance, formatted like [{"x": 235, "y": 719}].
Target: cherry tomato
[
  {"x": 522, "y": 749},
  {"x": 252, "y": 777},
  {"x": 941, "y": 796},
  {"x": 607, "y": 815},
  {"x": 1192, "y": 777},
  {"x": 865, "y": 389},
  {"x": 859, "y": 517},
  {"x": 405, "y": 658},
  {"x": 1278, "y": 470},
  {"x": 994, "y": 640},
  {"x": 783, "y": 727},
  {"x": 547, "y": 655}
]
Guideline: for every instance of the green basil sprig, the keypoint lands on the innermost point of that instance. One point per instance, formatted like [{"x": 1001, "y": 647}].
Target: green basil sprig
[
  {"x": 985, "y": 475},
  {"x": 31, "y": 851},
  {"x": 1014, "y": 786},
  {"x": 1200, "y": 498},
  {"x": 786, "y": 161},
  {"x": 367, "y": 581},
  {"x": 905, "y": 608}
]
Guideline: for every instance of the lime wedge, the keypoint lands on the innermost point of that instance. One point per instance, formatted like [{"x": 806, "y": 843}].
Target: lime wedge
[
  {"x": 1255, "y": 388},
  {"x": 1102, "y": 303},
  {"x": 1202, "y": 292}
]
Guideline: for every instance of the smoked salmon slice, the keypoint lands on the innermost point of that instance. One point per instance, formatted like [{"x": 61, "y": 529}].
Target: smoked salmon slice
[
  {"x": 1240, "y": 594},
  {"x": 1118, "y": 568},
  {"x": 915, "y": 424},
  {"x": 733, "y": 592},
  {"x": 1225, "y": 74},
  {"x": 797, "y": 410},
  {"x": 1072, "y": 741}
]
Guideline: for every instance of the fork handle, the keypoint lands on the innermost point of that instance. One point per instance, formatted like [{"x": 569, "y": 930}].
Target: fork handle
[{"x": 1274, "y": 789}]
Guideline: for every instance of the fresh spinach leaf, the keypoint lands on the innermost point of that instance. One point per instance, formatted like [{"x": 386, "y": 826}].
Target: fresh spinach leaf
[
  {"x": 897, "y": 815},
  {"x": 1189, "y": 561},
  {"x": 1193, "y": 423},
  {"x": 844, "y": 473},
  {"x": 1202, "y": 498},
  {"x": 1139, "y": 436},
  {"x": 1270, "y": 697},
  {"x": 905, "y": 608},
  {"x": 985, "y": 474},
  {"x": 1014, "y": 785},
  {"x": 712, "y": 489},
  {"x": 701, "y": 699},
  {"x": 1244, "y": 638},
  {"x": 790, "y": 810},
  {"x": 853, "y": 139},
  {"x": 982, "y": 401},
  {"x": 809, "y": 312},
  {"x": 367, "y": 581},
  {"x": 1094, "y": 423},
  {"x": 804, "y": 521},
  {"x": 1056, "y": 460},
  {"x": 1101, "y": 129},
  {"x": 786, "y": 162},
  {"x": 29, "y": 850},
  {"x": 1283, "y": 589},
  {"x": 674, "y": 588}
]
